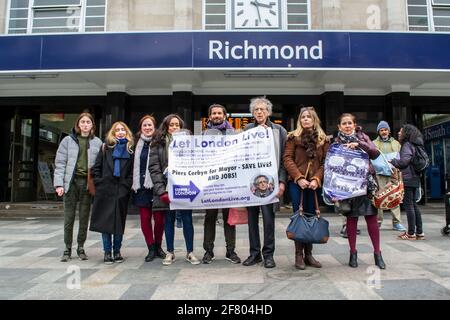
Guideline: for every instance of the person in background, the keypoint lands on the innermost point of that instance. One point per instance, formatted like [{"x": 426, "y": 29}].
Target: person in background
[
  {"x": 218, "y": 124},
  {"x": 143, "y": 190},
  {"x": 261, "y": 108},
  {"x": 352, "y": 136},
  {"x": 304, "y": 157},
  {"x": 387, "y": 144},
  {"x": 409, "y": 136},
  {"x": 159, "y": 161},
  {"x": 75, "y": 156},
  {"x": 113, "y": 178}
]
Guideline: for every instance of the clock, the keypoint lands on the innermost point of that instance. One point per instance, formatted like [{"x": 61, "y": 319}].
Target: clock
[{"x": 256, "y": 14}]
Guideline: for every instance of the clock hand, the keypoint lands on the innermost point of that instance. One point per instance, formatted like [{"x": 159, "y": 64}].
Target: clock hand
[
  {"x": 264, "y": 5},
  {"x": 256, "y": 4}
]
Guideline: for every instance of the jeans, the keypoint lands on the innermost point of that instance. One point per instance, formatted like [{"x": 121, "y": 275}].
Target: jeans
[
  {"x": 188, "y": 229},
  {"x": 412, "y": 211},
  {"x": 108, "y": 244},
  {"x": 308, "y": 198},
  {"x": 77, "y": 194}
]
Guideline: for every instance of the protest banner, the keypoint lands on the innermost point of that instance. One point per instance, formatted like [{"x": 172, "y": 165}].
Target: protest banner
[
  {"x": 222, "y": 171},
  {"x": 345, "y": 174}
]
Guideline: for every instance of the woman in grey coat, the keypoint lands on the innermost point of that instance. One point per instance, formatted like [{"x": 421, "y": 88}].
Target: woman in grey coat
[{"x": 75, "y": 156}]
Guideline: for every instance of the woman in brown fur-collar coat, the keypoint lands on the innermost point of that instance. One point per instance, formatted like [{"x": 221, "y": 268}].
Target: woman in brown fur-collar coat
[{"x": 304, "y": 157}]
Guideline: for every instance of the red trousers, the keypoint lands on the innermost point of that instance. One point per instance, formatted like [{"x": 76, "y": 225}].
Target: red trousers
[{"x": 152, "y": 234}]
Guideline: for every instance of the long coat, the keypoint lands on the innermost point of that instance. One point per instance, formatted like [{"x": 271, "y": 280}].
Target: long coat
[
  {"x": 157, "y": 165},
  {"x": 110, "y": 208}
]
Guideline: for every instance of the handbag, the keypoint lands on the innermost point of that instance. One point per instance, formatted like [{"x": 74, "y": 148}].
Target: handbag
[
  {"x": 237, "y": 216},
  {"x": 305, "y": 229},
  {"x": 90, "y": 183},
  {"x": 391, "y": 195}
]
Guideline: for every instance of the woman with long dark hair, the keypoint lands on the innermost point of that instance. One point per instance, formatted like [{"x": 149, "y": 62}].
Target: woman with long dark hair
[
  {"x": 143, "y": 190},
  {"x": 304, "y": 157},
  {"x": 159, "y": 162},
  {"x": 410, "y": 138}
]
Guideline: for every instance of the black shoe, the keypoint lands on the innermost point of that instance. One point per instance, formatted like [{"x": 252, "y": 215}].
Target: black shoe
[
  {"x": 250, "y": 261},
  {"x": 159, "y": 251},
  {"x": 232, "y": 257},
  {"x": 445, "y": 231},
  {"x": 358, "y": 232},
  {"x": 208, "y": 257},
  {"x": 118, "y": 257},
  {"x": 108, "y": 258},
  {"x": 269, "y": 262},
  {"x": 379, "y": 260},
  {"x": 81, "y": 254},
  {"x": 353, "y": 262},
  {"x": 151, "y": 253},
  {"x": 66, "y": 255}
]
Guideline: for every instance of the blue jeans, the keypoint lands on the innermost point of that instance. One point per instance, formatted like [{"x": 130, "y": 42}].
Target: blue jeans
[
  {"x": 188, "y": 229},
  {"x": 108, "y": 244},
  {"x": 308, "y": 199}
]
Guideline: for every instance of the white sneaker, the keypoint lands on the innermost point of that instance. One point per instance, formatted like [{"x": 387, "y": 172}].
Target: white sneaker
[
  {"x": 169, "y": 259},
  {"x": 192, "y": 259}
]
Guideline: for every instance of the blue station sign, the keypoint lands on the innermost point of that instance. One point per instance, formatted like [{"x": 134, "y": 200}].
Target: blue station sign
[{"x": 225, "y": 50}]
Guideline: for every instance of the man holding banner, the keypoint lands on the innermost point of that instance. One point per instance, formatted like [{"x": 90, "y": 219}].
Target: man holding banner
[
  {"x": 261, "y": 108},
  {"x": 218, "y": 125}
]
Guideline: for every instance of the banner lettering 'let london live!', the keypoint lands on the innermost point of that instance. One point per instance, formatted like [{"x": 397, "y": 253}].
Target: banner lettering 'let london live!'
[{"x": 222, "y": 171}]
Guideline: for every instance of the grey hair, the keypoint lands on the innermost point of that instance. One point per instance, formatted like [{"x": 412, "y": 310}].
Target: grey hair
[{"x": 258, "y": 100}]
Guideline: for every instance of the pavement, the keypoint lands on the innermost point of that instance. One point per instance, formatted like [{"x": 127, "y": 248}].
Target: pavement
[{"x": 31, "y": 246}]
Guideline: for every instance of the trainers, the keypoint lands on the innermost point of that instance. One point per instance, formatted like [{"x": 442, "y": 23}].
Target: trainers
[
  {"x": 343, "y": 231},
  {"x": 192, "y": 259},
  {"x": 82, "y": 254},
  {"x": 108, "y": 259},
  {"x": 208, "y": 257},
  {"x": 66, "y": 255},
  {"x": 118, "y": 257},
  {"x": 232, "y": 257},
  {"x": 169, "y": 259},
  {"x": 398, "y": 227},
  {"x": 420, "y": 236}
]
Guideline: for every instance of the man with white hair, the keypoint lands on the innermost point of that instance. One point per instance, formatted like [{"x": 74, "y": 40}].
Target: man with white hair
[{"x": 261, "y": 108}]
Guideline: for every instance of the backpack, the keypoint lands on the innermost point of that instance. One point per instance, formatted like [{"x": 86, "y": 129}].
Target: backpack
[{"x": 420, "y": 160}]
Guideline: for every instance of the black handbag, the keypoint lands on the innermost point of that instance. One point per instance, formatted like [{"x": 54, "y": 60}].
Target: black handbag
[{"x": 305, "y": 229}]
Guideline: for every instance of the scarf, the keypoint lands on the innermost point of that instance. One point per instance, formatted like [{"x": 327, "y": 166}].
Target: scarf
[
  {"x": 223, "y": 126},
  {"x": 372, "y": 185},
  {"x": 120, "y": 152},
  {"x": 308, "y": 141},
  {"x": 148, "y": 183}
]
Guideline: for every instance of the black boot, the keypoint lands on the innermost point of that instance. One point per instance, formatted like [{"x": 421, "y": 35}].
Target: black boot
[
  {"x": 159, "y": 251},
  {"x": 151, "y": 253},
  {"x": 379, "y": 261},
  {"x": 353, "y": 262}
]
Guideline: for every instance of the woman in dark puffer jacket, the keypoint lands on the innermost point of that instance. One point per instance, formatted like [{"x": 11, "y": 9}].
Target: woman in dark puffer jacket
[{"x": 409, "y": 137}]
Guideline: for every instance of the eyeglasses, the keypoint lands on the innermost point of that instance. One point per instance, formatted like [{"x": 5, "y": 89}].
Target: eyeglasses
[
  {"x": 307, "y": 108},
  {"x": 262, "y": 181}
]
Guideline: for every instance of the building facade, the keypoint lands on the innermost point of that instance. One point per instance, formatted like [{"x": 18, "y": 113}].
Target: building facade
[{"x": 120, "y": 59}]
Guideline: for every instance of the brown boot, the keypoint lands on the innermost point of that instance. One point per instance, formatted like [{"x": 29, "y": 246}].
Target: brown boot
[
  {"x": 309, "y": 259},
  {"x": 299, "y": 262}
]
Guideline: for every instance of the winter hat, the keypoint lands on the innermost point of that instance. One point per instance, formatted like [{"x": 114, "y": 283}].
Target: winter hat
[{"x": 383, "y": 125}]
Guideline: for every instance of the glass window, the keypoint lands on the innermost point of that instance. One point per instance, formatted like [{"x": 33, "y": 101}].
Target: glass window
[
  {"x": 54, "y": 16},
  {"x": 429, "y": 15},
  {"x": 215, "y": 14}
]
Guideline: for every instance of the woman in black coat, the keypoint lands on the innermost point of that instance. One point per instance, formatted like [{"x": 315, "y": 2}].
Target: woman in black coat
[
  {"x": 409, "y": 137},
  {"x": 113, "y": 177}
]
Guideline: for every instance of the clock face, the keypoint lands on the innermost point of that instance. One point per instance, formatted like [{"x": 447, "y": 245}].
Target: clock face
[{"x": 256, "y": 14}]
